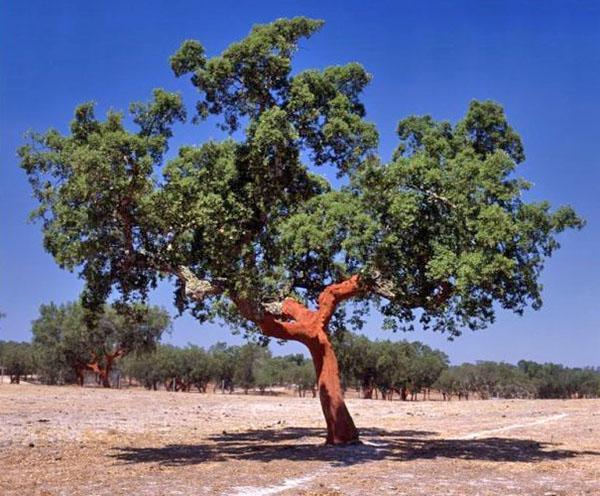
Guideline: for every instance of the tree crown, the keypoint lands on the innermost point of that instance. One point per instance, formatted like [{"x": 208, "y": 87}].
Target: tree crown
[
  {"x": 65, "y": 335},
  {"x": 442, "y": 228}
]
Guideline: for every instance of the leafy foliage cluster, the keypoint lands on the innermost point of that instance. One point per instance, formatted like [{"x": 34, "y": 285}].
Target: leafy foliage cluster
[
  {"x": 444, "y": 223},
  {"x": 16, "y": 360},
  {"x": 387, "y": 366}
]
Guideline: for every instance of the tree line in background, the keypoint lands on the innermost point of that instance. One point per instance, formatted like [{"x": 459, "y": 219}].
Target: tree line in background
[
  {"x": 65, "y": 347},
  {"x": 67, "y": 343},
  {"x": 246, "y": 367}
]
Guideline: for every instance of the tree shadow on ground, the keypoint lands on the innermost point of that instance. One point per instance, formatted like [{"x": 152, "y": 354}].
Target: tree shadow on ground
[{"x": 306, "y": 444}]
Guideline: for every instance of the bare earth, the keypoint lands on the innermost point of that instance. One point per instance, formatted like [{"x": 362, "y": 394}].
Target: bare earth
[{"x": 70, "y": 441}]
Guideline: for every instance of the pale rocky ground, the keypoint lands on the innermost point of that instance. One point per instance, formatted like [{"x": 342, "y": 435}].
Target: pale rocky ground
[{"x": 71, "y": 441}]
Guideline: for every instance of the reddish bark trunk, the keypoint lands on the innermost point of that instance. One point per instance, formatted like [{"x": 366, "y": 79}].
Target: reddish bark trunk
[
  {"x": 103, "y": 373},
  {"x": 340, "y": 426},
  {"x": 290, "y": 320},
  {"x": 105, "y": 380},
  {"x": 310, "y": 328}
]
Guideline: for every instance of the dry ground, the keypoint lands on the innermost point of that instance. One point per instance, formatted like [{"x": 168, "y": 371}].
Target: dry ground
[{"x": 70, "y": 441}]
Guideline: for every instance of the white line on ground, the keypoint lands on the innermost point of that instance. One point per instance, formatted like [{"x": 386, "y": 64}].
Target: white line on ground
[
  {"x": 474, "y": 435},
  {"x": 376, "y": 444},
  {"x": 285, "y": 485}
]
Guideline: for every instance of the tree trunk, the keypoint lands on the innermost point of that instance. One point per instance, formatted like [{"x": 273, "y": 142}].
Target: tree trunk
[
  {"x": 291, "y": 320},
  {"x": 340, "y": 426},
  {"x": 80, "y": 375},
  {"x": 104, "y": 378},
  {"x": 102, "y": 374},
  {"x": 404, "y": 394},
  {"x": 105, "y": 374}
]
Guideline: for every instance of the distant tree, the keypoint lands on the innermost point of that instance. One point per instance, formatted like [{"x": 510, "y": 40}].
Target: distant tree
[
  {"x": 247, "y": 362},
  {"x": 446, "y": 383},
  {"x": 252, "y": 235},
  {"x": 426, "y": 367},
  {"x": 587, "y": 382},
  {"x": 394, "y": 368},
  {"x": 358, "y": 361},
  {"x": 485, "y": 378},
  {"x": 200, "y": 369},
  {"x": 460, "y": 380},
  {"x": 269, "y": 371},
  {"x": 63, "y": 336},
  {"x": 17, "y": 360},
  {"x": 552, "y": 380},
  {"x": 468, "y": 381},
  {"x": 144, "y": 368},
  {"x": 170, "y": 365},
  {"x": 55, "y": 343},
  {"x": 511, "y": 382},
  {"x": 302, "y": 375},
  {"x": 223, "y": 365}
]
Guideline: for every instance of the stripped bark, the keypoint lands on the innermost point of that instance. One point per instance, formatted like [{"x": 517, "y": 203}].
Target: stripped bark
[
  {"x": 290, "y": 320},
  {"x": 102, "y": 368}
]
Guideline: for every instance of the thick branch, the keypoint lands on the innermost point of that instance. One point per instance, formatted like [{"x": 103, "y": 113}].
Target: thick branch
[
  {"x": 273, "y": 325},
  {"x": 295, "y": 310},
  {"x": 118, "y": 353},
  {"x": 94, "y": 365},
  {"x": 334, "y": 294},
  {"x": 273, "y": 318},
  {"x": 195, "y": 288},
  {"x": 289, "y": 331},
  {"x": 440, "y": 198},
  {"x": 291, "y": 320},
  {"x": 376, "y": 284}
]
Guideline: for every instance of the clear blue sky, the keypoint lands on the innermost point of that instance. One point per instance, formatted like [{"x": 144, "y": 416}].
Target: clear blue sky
[{"x": 541, "y": 60}]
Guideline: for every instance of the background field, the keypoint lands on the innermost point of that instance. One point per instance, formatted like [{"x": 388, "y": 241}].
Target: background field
[{"x": 70, "y": 441}]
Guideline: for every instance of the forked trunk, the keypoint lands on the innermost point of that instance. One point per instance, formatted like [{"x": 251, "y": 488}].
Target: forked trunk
[
  {"x": 340, "y": 426},
  {"x": 298, "y": 323}
]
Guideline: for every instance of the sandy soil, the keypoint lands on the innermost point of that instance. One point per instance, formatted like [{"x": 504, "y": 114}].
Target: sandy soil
[{"x": 70, "y": 441}]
